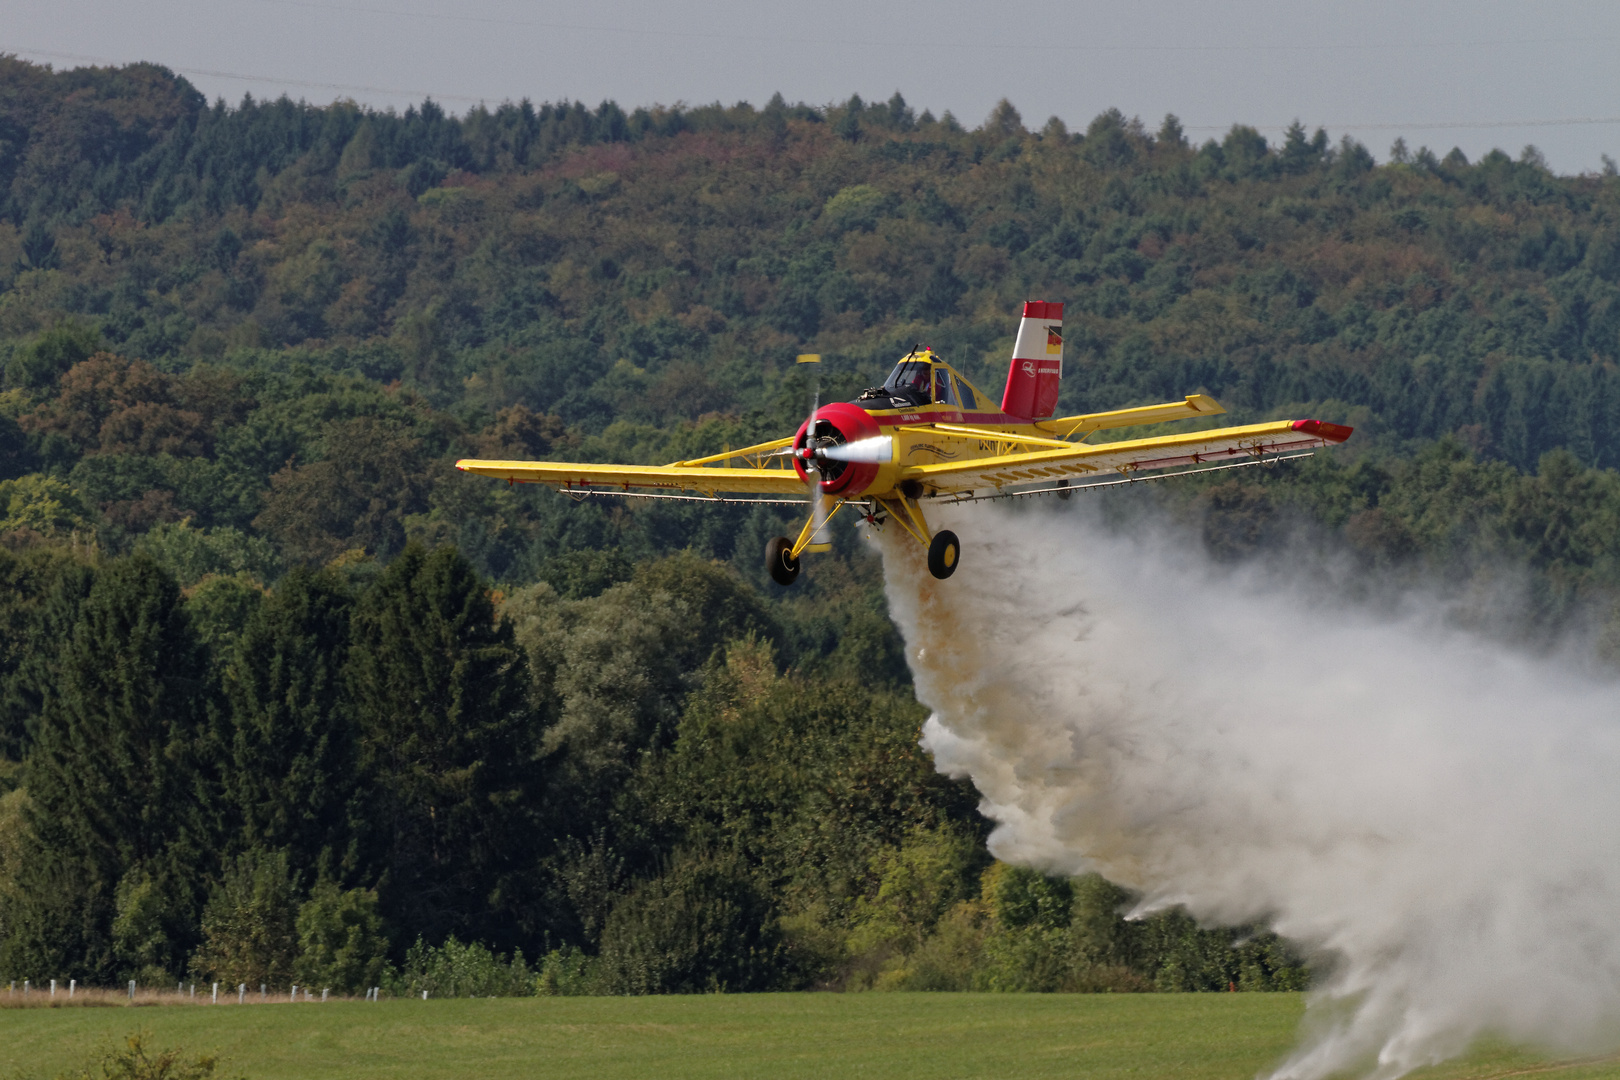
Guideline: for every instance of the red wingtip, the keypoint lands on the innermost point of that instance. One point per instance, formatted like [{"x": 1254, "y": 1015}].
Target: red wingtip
[{"x": 1334, "y": 433}]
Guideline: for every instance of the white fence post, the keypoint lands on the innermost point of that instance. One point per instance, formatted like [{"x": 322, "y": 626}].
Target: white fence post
[
  {"x": 424, "y": 995},
  {"x": 294, "y": 992},
  {"x": 216, "y": 993},
  {"x": 73, "y": 984},
  {"x": 324, "y": 989},
  {"x": 241, "y": 993},
  {"x": 132, "y": 989},
  {"x": 53, "y": 988}
]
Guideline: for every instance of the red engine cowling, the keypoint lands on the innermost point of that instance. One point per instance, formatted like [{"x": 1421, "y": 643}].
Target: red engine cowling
[{"x": 839, "y": 422}]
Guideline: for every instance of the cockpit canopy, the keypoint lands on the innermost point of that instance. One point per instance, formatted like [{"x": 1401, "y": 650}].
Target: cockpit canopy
[
  {"x": 912, "y": 380},
  {"x": 919, "y": 379}
]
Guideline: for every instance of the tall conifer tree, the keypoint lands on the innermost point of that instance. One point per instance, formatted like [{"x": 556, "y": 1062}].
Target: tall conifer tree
[
  {"x": 438, "y": 689},
  {"x": 290, "y": 781},
  {"x": 40, "y": 593},
  {"x": 108, "y": 877}
]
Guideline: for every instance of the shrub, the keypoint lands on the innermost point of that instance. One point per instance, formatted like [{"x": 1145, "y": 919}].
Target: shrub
[
  {"x": 457, "y": 970},
  {"x": 917, "y": 883},
  {"x": 702, "y": 927},
  {"x": 952, "y": 958},
  {"x": 341, "y": 941},
  {"x": 248, "y": 926},
  {"x": 138, "y": 1061},
  {"x": 139, "y": 937},
  {"x": 566, "y": 972}
]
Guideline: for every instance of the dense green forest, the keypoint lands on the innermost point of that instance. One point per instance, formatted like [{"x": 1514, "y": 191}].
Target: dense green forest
[{"x": 283, "y": 698}]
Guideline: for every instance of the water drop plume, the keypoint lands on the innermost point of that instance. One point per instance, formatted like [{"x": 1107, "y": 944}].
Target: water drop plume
[{"x": 1432, "y": 818}]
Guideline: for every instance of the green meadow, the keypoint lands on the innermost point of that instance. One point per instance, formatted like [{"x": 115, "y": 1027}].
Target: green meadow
[{"x": 779, "y": 1036}]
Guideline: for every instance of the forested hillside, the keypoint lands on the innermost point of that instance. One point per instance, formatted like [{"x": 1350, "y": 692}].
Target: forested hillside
[{"x": 286, "y": 699}]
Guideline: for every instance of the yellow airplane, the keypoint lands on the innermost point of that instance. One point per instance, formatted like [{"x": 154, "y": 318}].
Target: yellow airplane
[{"x": 929, "y": 437}]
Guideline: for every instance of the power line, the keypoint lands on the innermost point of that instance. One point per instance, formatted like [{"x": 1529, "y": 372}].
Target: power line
[
  {"x": 269, "y": 79},
  {"x": 914, "y": 43},
  {"x": 1451, "y": 125},
  {"x": 272, "y": 80}
]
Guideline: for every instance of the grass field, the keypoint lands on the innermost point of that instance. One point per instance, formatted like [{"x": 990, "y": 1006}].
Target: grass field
[{"x": 775, "y": 1036}]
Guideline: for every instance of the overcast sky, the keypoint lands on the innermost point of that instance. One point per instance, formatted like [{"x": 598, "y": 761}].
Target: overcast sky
[{"x": 1439, "y": 73}]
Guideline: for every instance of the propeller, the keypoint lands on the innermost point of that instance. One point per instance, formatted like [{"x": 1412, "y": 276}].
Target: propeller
[{"x": 818, "y": 505}]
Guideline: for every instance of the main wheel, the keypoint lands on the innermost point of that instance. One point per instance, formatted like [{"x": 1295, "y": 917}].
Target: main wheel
[
  {"x": 943, "y": 554},
  {"x": 780, "y": 562}
]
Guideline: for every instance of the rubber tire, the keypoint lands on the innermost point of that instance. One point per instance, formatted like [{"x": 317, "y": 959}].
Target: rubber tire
[
  {"x": 779, "y": 560},
  {"x": 943, "y": 554}
]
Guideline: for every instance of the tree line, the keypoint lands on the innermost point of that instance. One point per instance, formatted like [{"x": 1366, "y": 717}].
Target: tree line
[{"x": 395, "y": 776}]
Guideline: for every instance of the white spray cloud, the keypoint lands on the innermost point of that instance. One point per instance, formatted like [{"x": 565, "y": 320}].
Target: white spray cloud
[{"x": 1433, "y": 817}]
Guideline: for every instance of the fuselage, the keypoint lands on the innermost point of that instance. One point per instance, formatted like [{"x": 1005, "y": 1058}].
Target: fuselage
[{"x": 921, "y": 394}]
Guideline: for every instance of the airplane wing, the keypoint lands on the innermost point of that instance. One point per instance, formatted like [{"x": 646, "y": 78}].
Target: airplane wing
[
  {"x": 1134, "y": 455},
  {"x": 769, "y": 473},
  {"x": 766, "y": 472},
  {"x": 1192, "y": 405}
]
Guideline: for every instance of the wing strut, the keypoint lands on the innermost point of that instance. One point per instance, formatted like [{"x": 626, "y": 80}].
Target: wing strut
[
  {"x": 814, "y": 524},
  {"x": 908, "y": 513}
]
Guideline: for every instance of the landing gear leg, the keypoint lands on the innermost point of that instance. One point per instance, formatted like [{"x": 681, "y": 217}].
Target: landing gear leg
[{"x": 944, "y": 551}]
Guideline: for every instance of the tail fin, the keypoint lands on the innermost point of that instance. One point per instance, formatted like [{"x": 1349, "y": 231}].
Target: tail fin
[{"x": 1037, "y": 363}]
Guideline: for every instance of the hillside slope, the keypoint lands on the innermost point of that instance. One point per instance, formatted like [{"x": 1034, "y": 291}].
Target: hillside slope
[{"x": 281, "y": 694}]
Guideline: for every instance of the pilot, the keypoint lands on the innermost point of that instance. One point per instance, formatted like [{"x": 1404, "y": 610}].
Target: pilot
[{"x": 912, "y": 381}]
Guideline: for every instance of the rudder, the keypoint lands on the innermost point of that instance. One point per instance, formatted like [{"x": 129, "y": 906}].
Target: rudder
[{"x": 1036, "y": 371}]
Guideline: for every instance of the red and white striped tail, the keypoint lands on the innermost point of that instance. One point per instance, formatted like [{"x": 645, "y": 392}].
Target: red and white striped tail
[{"x": 1037, "y": 363}]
